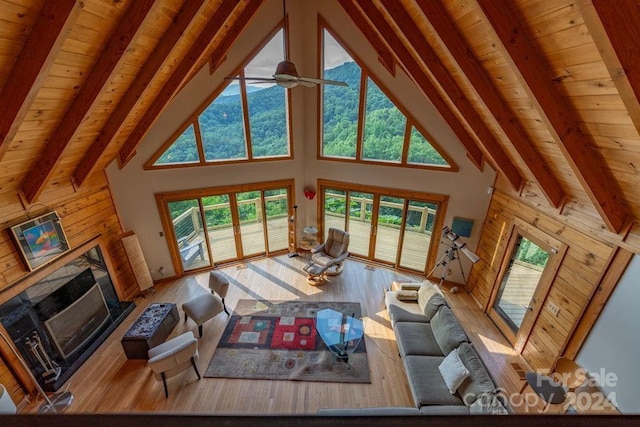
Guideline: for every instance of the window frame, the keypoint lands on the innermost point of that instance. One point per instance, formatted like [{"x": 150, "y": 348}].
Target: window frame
[
  {"x": 244, "y": 105},
  {"x": 411, "y": 122}
]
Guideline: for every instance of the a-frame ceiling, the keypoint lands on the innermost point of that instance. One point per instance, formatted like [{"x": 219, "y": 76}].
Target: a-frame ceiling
[{"x": 545, "y": 91}]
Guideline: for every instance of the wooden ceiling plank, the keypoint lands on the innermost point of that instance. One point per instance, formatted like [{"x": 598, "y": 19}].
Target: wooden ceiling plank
[
  {"x": 384, "y": 54},
  {"x": 460, "y": 51},
  {"x": 173, "y": 84},
  {"x": 38, "y": 54},
  {"x": 610, "y": 28},
  {"x": 152, "y": 66},
  {"x": 415, "y": 72},
  {"x": 127, "y": 31},
  {"x": 443, "y": 77},
  {"x": 560, "y": 117}
]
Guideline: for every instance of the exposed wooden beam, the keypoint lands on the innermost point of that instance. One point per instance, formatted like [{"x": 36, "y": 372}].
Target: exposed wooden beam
[
  {"x": 457, "y": 47},
  {"x": 611, "y": 26},
  {"x": 126, "y": 31},
  {"x": 443, "y": 77},
  {"x": 561, "y": 118},
  {"x": 180, "y": 24},
  {"x": 32, "y": 65},
  {"x": 182, "y": 70},
  {"x": 415, "y": 72},
  {"x": 384, "y": 55}
]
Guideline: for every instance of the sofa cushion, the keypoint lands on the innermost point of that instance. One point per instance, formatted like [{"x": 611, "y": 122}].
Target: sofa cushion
[
  {"x": 488, "y": 404},
  {"x": 417, "y": 339},
  {"x": 433, "y": 305},
  {"x": 447, "y": 330},
  {"x": 404, "y": 295},
  {"x": 478, "y": 381},
  {"x": 453, "y": 371},
  {"x": 444, "y": 410},
  {"x": 426, "y": 291},
  {"x": 426, "y": 383},
  {"x": 399, "y": 313}
]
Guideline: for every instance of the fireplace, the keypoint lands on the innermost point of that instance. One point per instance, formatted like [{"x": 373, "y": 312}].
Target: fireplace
[{"x": 60, "y": 321}]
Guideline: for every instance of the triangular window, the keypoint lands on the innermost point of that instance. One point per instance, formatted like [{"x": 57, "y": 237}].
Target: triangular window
[
  {"x": 379, "y": 131},
  {"x": 241, "y": 121}
]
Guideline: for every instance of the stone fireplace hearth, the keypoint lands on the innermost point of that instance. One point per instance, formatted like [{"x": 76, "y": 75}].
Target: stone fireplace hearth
[{"x": 57, "y": 323}]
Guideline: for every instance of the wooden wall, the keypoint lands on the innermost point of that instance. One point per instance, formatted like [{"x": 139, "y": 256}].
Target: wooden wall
[
  {"x": 579, "y": 275},
  {"x": 85, "y": 214}
]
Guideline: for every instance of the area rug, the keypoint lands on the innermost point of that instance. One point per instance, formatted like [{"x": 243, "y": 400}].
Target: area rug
[{"x": 277, "y": 340}]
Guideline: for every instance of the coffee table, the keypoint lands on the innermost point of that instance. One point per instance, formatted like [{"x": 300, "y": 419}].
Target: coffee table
[
  {"x": 341, "y": 332},
  {"x": 150, "y": 329}
]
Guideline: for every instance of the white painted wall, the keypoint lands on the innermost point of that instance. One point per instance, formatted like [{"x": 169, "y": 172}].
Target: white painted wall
[
  {"x": 133, "y": 188},
  {"x": 611, "y": 351}
]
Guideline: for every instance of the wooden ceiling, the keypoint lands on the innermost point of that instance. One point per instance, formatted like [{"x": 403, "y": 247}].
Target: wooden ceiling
[{"x": 543, "y": 90}]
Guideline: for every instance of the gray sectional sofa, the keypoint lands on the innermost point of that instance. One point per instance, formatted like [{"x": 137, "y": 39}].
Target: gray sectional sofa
[{"x": 427, "y": 332}]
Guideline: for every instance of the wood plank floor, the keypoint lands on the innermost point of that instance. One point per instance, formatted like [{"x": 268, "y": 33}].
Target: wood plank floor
[{"x": 110, "y": 383}]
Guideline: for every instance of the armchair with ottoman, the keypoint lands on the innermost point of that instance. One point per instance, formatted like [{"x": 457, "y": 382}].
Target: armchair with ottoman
[{"x": 327, "y": 258}]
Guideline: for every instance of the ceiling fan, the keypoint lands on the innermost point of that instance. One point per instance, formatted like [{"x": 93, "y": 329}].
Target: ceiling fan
[{"x": 286, "y": 74}]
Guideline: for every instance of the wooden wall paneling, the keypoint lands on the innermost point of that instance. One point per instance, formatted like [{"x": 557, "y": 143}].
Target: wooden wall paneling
[
  {"x": 457, "y": 47},
  {"x": 578, "y": 277},
  {"x": 40, "y": 49},
  {"x": 183, "y": 20},
  {"x": 598, "y": 299},
  {"x": 560, "y": 117}
]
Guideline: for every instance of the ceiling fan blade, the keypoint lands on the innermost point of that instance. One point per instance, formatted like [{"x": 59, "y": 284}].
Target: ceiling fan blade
[
  {"x": 254, "y": 79},
  {"x": 321, "y": 81}
]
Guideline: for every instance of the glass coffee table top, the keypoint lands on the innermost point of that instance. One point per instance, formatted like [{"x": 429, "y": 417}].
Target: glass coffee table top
[{"x": 341, "y": 332}]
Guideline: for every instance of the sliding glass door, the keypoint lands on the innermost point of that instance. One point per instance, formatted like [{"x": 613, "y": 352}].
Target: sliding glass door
[
  {"x": 393, "y": 227},
  {"x": 227, "y": 224}
]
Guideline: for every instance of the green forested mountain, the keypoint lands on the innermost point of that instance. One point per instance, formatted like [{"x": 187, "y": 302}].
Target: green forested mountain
[{"x": 223, "y": 134}]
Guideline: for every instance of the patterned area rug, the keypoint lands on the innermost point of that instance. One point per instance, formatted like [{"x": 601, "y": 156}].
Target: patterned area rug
[{"x": 277, "y": 340}]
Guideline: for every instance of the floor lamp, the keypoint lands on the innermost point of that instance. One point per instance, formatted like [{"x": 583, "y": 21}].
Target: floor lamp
[
  {"x": 54, "y": 404},
  {"x": 293, "y": 238}
]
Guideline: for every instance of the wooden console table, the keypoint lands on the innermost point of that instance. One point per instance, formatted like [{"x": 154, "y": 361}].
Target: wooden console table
[{"x": 150, "y": 329}]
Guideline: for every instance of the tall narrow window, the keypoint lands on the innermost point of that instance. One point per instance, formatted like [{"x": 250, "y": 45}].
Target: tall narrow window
[
  {"x": 339, "y": 103},
  {"x": 384, "y": 127},
  {"x": 221, "y": 127}
]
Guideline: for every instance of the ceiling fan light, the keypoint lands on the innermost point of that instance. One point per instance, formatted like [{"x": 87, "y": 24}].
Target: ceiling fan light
[{"x": 287, "y": 84}]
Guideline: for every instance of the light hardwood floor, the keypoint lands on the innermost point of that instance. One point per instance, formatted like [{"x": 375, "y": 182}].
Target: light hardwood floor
[{"x": 110, "y": 383}]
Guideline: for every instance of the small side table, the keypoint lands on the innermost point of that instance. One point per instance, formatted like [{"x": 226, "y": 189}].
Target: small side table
[{"x": 309, "y": 241}]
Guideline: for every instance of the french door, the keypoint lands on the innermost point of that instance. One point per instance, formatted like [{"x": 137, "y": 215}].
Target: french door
[
  {"x": 389, "y": 226},
  {"x": 530, "y": 262},
  {"x": 226, "y": 224}
]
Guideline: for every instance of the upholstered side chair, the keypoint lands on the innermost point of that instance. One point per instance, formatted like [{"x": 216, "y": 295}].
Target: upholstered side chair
[{"x": 174, "y": 356}]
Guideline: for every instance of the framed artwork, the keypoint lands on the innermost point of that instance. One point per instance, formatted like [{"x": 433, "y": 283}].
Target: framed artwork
[
  {"x": 462, "y": 226},
  {"x": 40, "y": 240}
]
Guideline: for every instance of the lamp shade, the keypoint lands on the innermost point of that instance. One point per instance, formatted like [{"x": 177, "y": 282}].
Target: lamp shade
[{"x": 6, "y": 403}]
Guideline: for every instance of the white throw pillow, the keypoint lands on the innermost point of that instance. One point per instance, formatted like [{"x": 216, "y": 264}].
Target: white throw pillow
[{"x": 453, "y": 371}]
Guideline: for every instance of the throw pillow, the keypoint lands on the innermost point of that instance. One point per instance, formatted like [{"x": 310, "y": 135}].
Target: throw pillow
[
  {"x": 407, "y": 295},
  {"x": 453, "y": 371},
  {"x": 433, "y": 305}
]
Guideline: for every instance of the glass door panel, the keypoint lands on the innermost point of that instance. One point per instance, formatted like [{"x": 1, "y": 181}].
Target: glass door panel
[
  {"x": 335, "y": 208},
  {"x": 359, "y": 226},
  {"x": 217, "y": 212},
  {"x": 418, "y": 229},
  {"x": 520, "y": 281},
  {"x": 249, "y": 205},
  {"x": 390, "y": 214},
  {"x": 276, "y": 203},
  {"x": 190, "y": 237}
]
